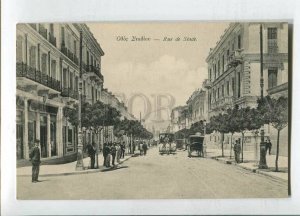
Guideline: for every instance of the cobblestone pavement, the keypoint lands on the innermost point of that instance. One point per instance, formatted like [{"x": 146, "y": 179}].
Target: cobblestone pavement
[{"x": 157, "y": 176}]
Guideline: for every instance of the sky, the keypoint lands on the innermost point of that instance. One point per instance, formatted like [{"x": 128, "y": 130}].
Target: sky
[{"x": 156, "y": 74}]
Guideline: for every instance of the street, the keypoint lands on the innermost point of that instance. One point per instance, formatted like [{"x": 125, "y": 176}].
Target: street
[{"x": 156, "y": 177}]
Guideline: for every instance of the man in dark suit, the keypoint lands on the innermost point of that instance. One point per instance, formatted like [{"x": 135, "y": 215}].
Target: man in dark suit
[
  {"x": 91, "y": 152},
  {"x": 35, "y": 157}
]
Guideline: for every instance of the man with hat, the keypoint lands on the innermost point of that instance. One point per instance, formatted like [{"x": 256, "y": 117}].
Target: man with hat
[{"x": 35, "y": 157}]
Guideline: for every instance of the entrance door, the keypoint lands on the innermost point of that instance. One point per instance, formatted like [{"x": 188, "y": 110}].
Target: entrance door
[
  {"x": 43, "y": 136},
  {"x": 20, "y": 153}
]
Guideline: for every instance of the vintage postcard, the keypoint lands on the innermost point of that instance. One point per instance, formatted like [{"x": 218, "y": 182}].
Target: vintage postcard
[{"x": 152, "y": 110}]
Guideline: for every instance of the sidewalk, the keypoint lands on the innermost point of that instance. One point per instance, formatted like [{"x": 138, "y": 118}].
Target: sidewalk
[
  {"x": 68, "y": 168},
  {"x": 251, "y": 164}
]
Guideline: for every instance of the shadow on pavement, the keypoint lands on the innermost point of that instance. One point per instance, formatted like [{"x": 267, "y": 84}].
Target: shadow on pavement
[{"x": 114, "y": 168}]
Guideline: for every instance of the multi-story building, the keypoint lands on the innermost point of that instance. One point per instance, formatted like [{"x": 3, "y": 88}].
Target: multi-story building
[
  {"x": 197, "y": 106},
  {"x": 178, "y": 118},
  {"x": 47, "y": 71},
  {"x": 234, "y": 67}
]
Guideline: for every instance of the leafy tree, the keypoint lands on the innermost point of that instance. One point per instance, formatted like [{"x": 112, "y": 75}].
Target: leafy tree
[{"x": 274, "y": 112}]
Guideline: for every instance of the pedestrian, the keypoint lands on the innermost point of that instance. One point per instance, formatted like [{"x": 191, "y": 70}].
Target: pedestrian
[
  {"x": 141, "y": 148},
  {"x": 237, "y": 151},
  {"x": 145, "y": 147},
  {"x": 91, "y": 153},
  {"x": 269, "y": 146},
  {"x": 133, "y": 147},
  {"x": 123, "y": 150},
  {"x": 105, "y": 153},
  {"x": 113, "y": 151},
  {"x": 35, "y": 158},
  {"x": 108, "y": 155},
  {"x": 118, "y": 147}
]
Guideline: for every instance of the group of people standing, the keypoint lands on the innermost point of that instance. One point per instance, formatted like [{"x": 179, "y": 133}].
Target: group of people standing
[
  {"x": 113, "y": 152},
  {"x": 237, "y": 149}
]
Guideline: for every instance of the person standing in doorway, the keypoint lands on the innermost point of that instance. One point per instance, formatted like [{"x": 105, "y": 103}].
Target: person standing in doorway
[{"x": 35, "y": 158}]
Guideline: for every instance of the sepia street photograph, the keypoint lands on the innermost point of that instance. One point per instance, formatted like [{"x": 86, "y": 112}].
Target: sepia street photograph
[{"x": 152, "y": 110}]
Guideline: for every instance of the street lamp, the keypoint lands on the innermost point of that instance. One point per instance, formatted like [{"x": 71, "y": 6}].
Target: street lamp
[
  {"x": 263, "y": 151},
  {"x": 204, "y": 142},
  {"x": 79, "y": 164}
]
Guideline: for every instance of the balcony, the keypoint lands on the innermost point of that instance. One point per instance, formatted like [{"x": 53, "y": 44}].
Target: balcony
[
  {"x": 235, "y": 58},
  {"x": 52, "y": 39},
  {"x": 36, "y": 76},
  {"x": 225, "y": 103},
  {"x": 92, "y": 72},
  {"x": 279, "y": 89},
  {"x": 43, "y": 31},
  {"x": 70, "y": 93},
  {"x": 69, "y": 54}
]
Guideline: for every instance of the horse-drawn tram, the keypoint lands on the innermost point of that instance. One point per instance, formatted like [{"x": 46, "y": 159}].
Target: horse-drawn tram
[{"x": 167, "y": 143}]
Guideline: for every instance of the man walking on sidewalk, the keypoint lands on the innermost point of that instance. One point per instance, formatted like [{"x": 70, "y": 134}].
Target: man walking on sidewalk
[
  {"x": 91, "y": 152},
  {"x": 113, "y": 153},
  {"x": 123, "y": 150},
  {"x": 237, "y": 151},
  {"x": 145, "y": 147},
  {"x": 35, "y": 157}
]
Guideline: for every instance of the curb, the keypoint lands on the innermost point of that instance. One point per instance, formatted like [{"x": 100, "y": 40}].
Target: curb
[
  {"x": 88, "y": 171},
  {"x": 254, "y": 170}
]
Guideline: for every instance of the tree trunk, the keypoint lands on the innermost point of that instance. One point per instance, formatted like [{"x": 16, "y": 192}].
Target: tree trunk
[
  {"x": 231, "y": 146},
  {"x": 242, "y": 147},
  {"x": 277, "y": 151},
  {"x": 222, "y": 140}
]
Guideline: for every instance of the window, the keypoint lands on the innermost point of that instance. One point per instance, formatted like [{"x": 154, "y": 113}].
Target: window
[
  {"x": 210, "y": 74},
  {"x": 32, "y": 56},
  {"x": 218, "y": 67},
  {"x": 272, "y": 33},
  {"x": 239, "y": 42},
  {"x": 75, "y": 48},
  {"x": 65, "y": 83},
  {"x": 215, "y": 70},
  {"x": 239, "y": 84},
  {"x": 19, "y": 51},
  {"x": 87, "y": 58},
  {"x": 227, "y": 88},
  {"x": 44, "y": 63},
  {"x": 71, "y": 80},
  {"x": 233, "y": 87},
  {"x": 222, "y": 90},
  {"x": 63, "y": 36},
  {"x": 53, "y": 69},
  {"x": 218, "y": 93},
  {"x": 223, "y": 63},
  {"x": 272, "y": 78}
]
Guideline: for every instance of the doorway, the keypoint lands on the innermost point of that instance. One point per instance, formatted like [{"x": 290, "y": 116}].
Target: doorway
[{"x": 43, "y": 136}]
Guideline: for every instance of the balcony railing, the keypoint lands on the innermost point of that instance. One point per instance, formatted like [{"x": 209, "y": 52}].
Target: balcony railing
[
  {"x": 23, "y": 70},
  {"x": 43, "y": 31},
  {"x": 52, "y": 39},
  {"x": 235, "y": 58},
  {"x": 93, "y": 69},
  {"x": 69, "y": 54},
  {"x": 68, "y": 92},
  {"x": 222, "y": 102}
]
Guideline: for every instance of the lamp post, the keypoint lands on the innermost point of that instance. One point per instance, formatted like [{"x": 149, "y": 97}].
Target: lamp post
[
  {"x": 204, "y": 141},
  {"x": 79, "y": 164},
  {"x": 263, "y": 151}
]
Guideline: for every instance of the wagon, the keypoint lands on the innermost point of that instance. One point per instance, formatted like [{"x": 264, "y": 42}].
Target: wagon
[
  {"x": 166, "y": 143},
  {"x": 196, "y": 145}
]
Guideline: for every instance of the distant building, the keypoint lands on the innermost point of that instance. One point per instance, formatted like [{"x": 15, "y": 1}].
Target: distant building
[
  {"x": 178, "y": 118},
  {"x": 234, "y": 68}
]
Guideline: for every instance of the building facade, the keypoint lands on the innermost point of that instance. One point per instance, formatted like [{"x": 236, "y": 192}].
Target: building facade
[
  {"x": 47, "y": 75},
  {"x": 197, "y": 106},
  {"x": 234, "y": 68},
  {"x": 178, "y": 118}
]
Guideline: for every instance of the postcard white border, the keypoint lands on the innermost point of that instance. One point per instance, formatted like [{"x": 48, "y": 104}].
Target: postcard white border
[{"x": 14, "y": 11}]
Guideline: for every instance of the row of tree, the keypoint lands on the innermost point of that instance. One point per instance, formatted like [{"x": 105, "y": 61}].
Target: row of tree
[
  {"x": 239, "y": 120},
  {"x": 99, "y": 115}
]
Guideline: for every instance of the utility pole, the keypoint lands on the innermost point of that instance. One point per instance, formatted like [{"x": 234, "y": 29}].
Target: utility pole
[
  {"x": 263, "y": 151},
  {"x": 79, "y": 164}
]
